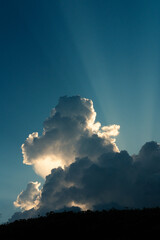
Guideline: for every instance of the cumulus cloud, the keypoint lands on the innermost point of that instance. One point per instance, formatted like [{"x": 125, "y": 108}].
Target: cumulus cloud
[
  {"x": 29, "y": 198},
  {"x": 83, "y": 166},
  {"x": 69, "y": 132}
]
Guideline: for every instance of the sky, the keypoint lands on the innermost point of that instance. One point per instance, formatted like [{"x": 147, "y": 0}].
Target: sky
[{"x": 107, "y": 51}]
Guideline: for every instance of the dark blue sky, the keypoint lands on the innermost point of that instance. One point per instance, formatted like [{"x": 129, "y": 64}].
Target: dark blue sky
[{"x": 105, "y": 50}]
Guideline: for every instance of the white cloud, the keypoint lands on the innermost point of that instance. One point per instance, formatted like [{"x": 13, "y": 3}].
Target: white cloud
[
  {"x": 71, "y": 123},
  {"x": 83, "y": 165},
  {"x": 29, "y": 198}
]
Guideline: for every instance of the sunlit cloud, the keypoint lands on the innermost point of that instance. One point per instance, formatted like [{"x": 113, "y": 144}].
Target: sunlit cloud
[
  {"x": 70, "y": 123},
  {"x": 83, "y": 166},
  {"x": 82, "y": 206},
  {"x": 43, "y": 165},
  {"x": 29, "y": 198}
]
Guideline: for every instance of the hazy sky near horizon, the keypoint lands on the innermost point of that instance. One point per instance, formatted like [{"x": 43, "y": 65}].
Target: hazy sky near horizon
[{"x": 105, "y": 50}]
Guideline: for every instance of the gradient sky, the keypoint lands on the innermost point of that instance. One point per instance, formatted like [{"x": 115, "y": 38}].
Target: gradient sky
[{"x": 105, "y": 50}]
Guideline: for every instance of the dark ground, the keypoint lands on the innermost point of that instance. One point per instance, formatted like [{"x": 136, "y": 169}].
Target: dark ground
[{"x": 112, "y": 224}]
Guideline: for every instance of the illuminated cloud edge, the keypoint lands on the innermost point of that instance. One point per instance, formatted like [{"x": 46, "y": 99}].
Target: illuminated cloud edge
[{"x": 83, "y": 166}]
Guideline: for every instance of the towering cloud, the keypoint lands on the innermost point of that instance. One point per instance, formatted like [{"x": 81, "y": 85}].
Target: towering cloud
[
  {"x": 69, "y": 132},
  {"x": 83, "y": 167}
]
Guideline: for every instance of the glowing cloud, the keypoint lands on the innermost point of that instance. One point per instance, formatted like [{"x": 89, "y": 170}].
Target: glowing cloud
[
  {"x": 71, "y": 123},
  {"x": 83, "y": 167},
  {"x": 29, "y": 198}
]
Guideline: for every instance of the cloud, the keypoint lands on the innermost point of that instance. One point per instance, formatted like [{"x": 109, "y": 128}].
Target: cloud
[
  {"x": 69, "y": 132},
  {"x": 88, "y": 184},
  {"x": 29, "y": 198},
  {"x": 83, "y": 166}
]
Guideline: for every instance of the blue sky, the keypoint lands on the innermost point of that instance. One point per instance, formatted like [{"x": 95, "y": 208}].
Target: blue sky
[{"x": 106, "y": 50}]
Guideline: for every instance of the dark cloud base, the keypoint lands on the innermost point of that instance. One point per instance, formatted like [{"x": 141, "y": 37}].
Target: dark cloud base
[{"x": 117, "y": 180}]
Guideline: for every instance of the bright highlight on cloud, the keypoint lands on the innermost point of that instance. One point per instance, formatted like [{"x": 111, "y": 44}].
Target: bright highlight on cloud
[
  {"x": 30, "y": 197},
  {"x": 70, "y": 126},
  {"x": 83, "y": 167}
]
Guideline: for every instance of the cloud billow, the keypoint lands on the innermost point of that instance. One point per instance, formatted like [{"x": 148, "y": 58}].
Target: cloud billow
[
  {"x": 83, "y": 166},
  {"x": 29, "y": 198},
  {"x": 69, "y": 132}
]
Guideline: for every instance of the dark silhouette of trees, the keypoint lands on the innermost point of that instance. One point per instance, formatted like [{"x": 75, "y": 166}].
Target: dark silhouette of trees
[{"x": 112, "y": 224}]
